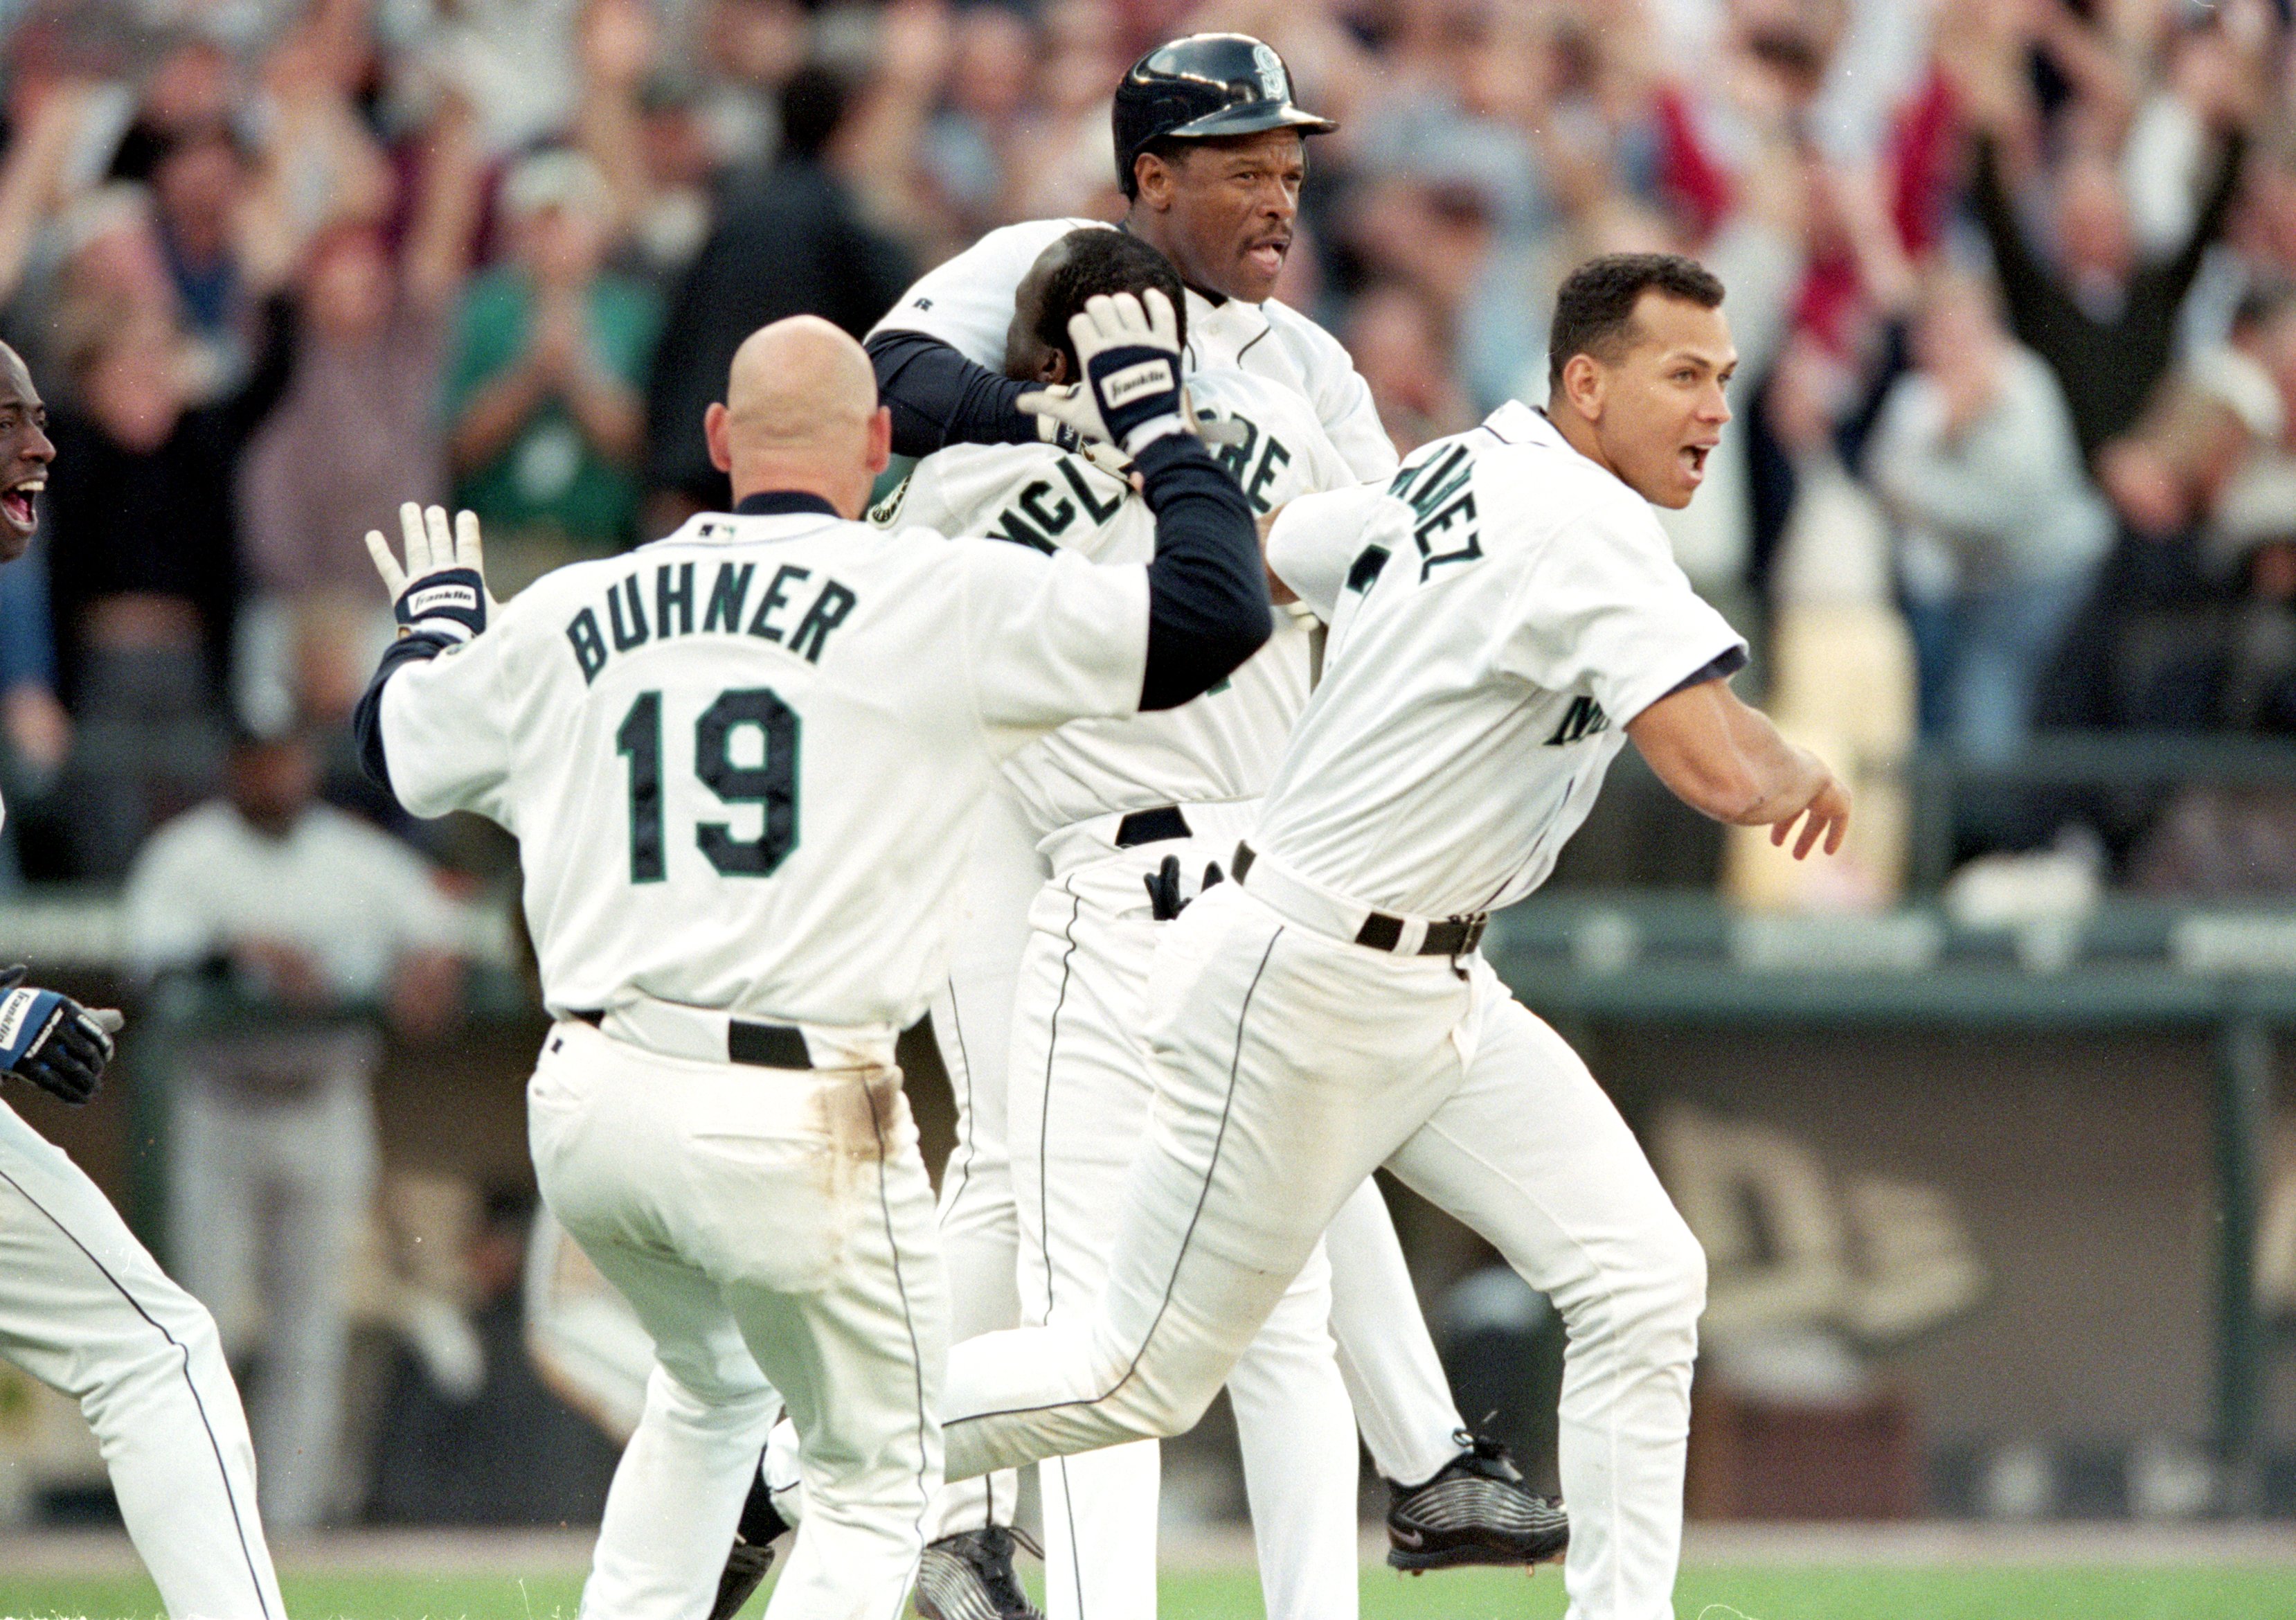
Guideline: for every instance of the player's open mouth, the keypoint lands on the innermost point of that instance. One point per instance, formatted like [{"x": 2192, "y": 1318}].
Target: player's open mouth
[
  {"x": 1267, "y": 256},
  {"x": 16, "y": 501},
  {"x": 1694, "y": 460}
]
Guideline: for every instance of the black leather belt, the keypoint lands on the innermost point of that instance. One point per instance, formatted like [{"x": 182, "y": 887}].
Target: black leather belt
[
  {"x": 1152, "y": 826},
  {"x": 1454, "y": 936},
  {"x": 761, "y": 1045}
]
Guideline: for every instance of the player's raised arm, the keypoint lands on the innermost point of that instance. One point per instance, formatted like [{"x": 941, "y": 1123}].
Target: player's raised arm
[
  {"x": 1724, "y": 759},
  {"x": 1207, "y": 587}
]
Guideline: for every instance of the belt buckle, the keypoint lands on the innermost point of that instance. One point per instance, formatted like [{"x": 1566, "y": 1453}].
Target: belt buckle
[{"x": 1475, "y": 926}]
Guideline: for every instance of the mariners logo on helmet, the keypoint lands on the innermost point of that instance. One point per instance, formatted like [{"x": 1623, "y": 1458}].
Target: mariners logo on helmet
[
  {"x": 1204, "y": 88},
  {"x": 1275, "y": 84}
]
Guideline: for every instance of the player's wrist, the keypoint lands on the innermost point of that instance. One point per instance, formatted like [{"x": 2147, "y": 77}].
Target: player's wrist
[{"x": 1150, "y": 431}]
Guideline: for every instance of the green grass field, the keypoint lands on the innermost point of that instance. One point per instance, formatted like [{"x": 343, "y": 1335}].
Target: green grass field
[{"x": 2177, "y": 1593}]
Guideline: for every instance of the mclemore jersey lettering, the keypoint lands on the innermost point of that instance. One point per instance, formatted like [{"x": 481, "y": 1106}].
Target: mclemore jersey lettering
[
  {"x": 743, "y": 762},
  {"x": 1222, "y": 747},
  {"x": 1499, "y": 612},
  {"x": 967, "y": 303}
]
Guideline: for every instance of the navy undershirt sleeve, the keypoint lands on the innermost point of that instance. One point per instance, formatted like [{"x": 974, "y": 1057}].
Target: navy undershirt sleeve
[
  {"x": 1721, "y": 667},
  {"x": 940, "y": 397},
  {"x": 366, "y": 719},
  {"x": 1207, "y": 587}
]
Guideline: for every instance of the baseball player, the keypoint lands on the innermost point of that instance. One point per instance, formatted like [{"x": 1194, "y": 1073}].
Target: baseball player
[
  {"x": 1198, "y": 124},
  {"x": 1210, "y": 152},
  {"x": 741, "y": 766},
  {"x": 1505, "y": 615},
  {"x": 1082, "y": 1099},
  {"x": 84, "y": 1307}
]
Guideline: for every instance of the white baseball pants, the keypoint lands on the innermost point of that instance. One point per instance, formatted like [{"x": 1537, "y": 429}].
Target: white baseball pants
[
  {"x": 773, "y": 1230},
  {"x": 972, "y": 1020},
  {"x": 1077, "y": 1109},
  {"x": 86, "y": 1309},
  {"x": 1289, "y": 1065}
]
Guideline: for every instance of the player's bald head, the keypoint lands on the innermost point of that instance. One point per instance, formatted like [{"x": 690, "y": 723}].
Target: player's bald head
[{"x": 800, "y": 412}]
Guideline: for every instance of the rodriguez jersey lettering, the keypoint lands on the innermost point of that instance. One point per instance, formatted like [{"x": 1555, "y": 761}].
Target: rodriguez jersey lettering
[
  {"x": 743, "y": 762},
  {"x": 1223, "y": 745},
  {"x": 1499, "y": 611},
  {"x": 967, "y": 303}
]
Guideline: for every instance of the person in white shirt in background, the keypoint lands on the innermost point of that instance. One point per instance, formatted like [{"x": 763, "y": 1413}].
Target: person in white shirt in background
[
  {"x": 2001, "y": 532},
  {"x": 323, "y": 922}
]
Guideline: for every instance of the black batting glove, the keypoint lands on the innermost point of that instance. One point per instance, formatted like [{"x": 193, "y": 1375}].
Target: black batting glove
[
  {"x": 1165, "y": 900},
  {"x": 52, "y": 1041}
]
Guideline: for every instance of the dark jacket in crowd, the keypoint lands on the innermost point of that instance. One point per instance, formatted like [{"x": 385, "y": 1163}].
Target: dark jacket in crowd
[
  {"x": 790, "y": 244},
  {"x": 160, "y": 522},
  {"x": 2108, "y": 368}
]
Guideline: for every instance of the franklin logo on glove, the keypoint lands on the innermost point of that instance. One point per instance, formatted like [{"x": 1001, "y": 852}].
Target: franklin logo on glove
[{"x": 1121, "y": 389}]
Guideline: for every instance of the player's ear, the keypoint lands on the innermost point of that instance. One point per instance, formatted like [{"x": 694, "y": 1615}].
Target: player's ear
[
  {"x": 713, "y": 429},
  {"x": 1584, "y": 384},
  {"x": 1053, "y": 368},
  {"x": 881, "y": 441},
  {"x": 1151, "y": 176}
]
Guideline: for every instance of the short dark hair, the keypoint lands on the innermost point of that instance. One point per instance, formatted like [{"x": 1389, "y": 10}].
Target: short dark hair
[
  {"x": 1103, "y": 261},
  {"x": 1595, "y": 308}
]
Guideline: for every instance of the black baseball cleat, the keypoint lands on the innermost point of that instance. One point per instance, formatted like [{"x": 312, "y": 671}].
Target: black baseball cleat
[
  {"x": 754, "y": 1552},
  {"x": 1476, "y": 1510},
  {"x": 969, "y": 1576}
]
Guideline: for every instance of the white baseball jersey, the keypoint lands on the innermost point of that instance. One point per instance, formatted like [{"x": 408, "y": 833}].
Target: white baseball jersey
[
  {"x": 1498, "y": 613},
  {"x": 1223, "y": 745},
  {"x": 967, "y": 303},
  {"x": 743, "y": 762}
]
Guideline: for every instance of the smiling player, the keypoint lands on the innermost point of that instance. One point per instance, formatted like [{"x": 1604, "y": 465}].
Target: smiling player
[{"x": 84, "y": 1307}]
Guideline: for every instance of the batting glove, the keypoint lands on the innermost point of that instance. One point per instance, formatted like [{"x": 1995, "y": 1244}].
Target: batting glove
[
  {"x": 442, "y": 591},
  {"x": 53, "y": 1040},
  {"x": 1129, "y": 349},
  {"x": 1165, "y": 898}
]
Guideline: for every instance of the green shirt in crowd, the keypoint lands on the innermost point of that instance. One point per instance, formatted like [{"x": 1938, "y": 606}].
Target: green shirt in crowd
[{"x": 549, "y": 478}]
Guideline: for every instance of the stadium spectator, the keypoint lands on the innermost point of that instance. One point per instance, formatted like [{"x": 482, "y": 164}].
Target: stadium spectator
[
  {"x": 2104, "y": 316},
  {"x": 790, "y": 243},
  {"x": 315, "y": 923},
  {"x": 358, "y": 432},
  {"x": 2001, "y": 532},
  {"x": 143, "y": 572},
  {"x": 543, "y": 390}
]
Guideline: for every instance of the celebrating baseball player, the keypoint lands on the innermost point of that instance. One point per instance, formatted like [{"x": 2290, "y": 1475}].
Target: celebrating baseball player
[
  {"x": 84, "y": 1307},
  {"x": 743, "y": 766},
  {"x": 1210, "y": 147},
  {"x": 1211, "y": 151},
  {"x": 1505, "y": 615},
  {"x": 1133, "y": 813}
]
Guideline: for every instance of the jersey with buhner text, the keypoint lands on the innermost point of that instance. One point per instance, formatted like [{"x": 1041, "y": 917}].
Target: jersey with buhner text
[
  {"x": 743, "y": 762},
  {"x": 1499, "y": 611}
]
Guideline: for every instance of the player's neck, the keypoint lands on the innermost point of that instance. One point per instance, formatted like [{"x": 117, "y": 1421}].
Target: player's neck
[
  {"x": 787, "y": 480},
  {"x": 1578, "y": 433}
]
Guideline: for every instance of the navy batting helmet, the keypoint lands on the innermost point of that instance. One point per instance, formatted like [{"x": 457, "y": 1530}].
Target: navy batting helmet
[{"x": 1202, "y": 89}]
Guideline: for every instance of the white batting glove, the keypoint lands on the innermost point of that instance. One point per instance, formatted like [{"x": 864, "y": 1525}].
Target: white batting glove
[
  {"x": 1128, "y": 348},
  {"x": 443, "y": 587}
]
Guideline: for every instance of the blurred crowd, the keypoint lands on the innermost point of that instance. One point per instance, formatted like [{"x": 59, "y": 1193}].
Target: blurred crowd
[{"x": 2011, "y": 280}]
